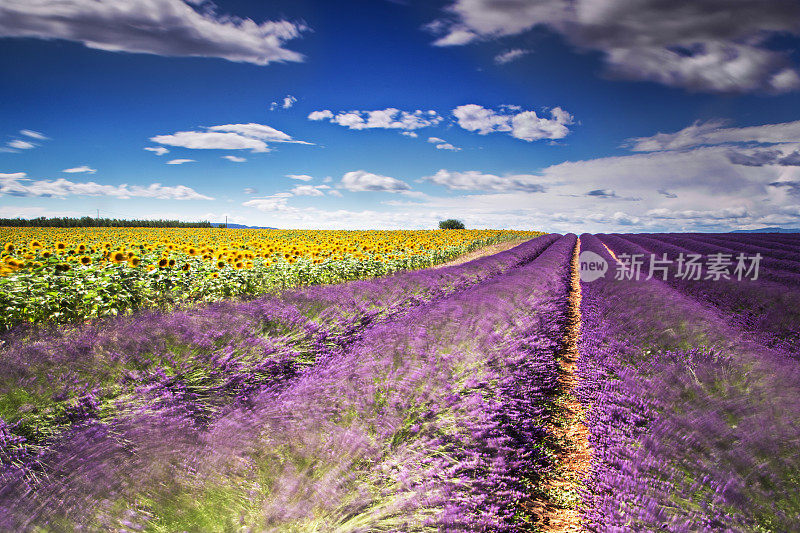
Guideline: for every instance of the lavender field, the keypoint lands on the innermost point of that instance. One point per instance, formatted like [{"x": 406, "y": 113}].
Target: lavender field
[{"x": 508, "y": 393}]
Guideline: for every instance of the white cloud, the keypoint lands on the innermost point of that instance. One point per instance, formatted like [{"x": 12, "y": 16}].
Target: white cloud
[
  {"x": 510, "y": 55},
  {"x": 234, "y": 158},
  {"x": 714, "y": 45},
  {"x": 714, "y": 132},
  {"x": 268, "y": 203},
  {"x": 441, "y": 144},
  {"x": 206, "y": 140},
  {"x": 309, "y": 190},
  {"x": 19, "y": 144},
  {"x": 83, "y": 168},
  {"x": 161, "y": 27},
  {"x": 411, "y": 134},
  {"x": 158, "y": 150},
  {"x": 18, "y": 184},
  {"x": 251, "y": 136},
  {"x": 360, "y": 180},
  {"x": 250, "y": 190},
  {"x": 389, "y": 118},
  {"x": 478, "y": 181},
  {"x": 286, "y": 103},
  {"x": 525, "y": 125},
  {"x": 320, "y": 115},
  {"x": 33, "y": 134},
  {"x": 180, "y": 161},
  {"x": 301, "y": 177}
]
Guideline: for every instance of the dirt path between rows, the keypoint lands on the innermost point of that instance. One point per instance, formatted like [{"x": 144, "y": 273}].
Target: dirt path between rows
[
  {"x": 557, "y": 509},
  {"x": 483, "y": 252}
]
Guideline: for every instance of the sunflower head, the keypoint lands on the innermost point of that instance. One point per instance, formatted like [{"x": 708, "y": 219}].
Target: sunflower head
[
  {"x": 119, "y": 256},
  {"x": 134, "y": 261},
  {"x": 9, "y": 247},
  {"x": 86, "y": 260},
  {"x": 163, "y": 262}
]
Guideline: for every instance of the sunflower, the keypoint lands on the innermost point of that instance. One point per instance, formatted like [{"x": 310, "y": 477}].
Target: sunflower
[
  {"x": 221, "y": 264},
  {"x": 239, "y": 265},
  {"x": 171, "y": 263},
  {"x": 119, "y": 257},
  {"x": 35, "y": 245},
  {"x": 163, "y": 262},
  {"x": 215, "y": 275},
  {"x": 86, "y": 260},
  {"x": 46, "y": 254},
  {"x": 134, "y": 261},
  {"x": 9, "y": 247},
  {"x": 60, "y": 246}
]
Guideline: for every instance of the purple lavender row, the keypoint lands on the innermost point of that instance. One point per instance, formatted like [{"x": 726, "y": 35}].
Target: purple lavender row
[
  {"x": 211, "y": 356},
  {"x": 768, "y": 309},
  {"x": 693, "y": 427},
  {"x": 777, "y": 269},
  {"x": 789, "y": 259},
  {"x": 430, "y": 421},
  {"x": 775, "y": 240},
  {"x": 788, "y": 251}
]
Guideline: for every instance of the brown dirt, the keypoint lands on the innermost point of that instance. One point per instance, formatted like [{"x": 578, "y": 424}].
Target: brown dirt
[
  {"x": 574, "y": 456},
  {"x": 483, "y": 252}
]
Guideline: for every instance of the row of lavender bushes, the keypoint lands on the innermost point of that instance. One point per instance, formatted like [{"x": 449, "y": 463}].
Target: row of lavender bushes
[
  {"x": 694, "y": 423},
  {"x": 768, "y": 307},
  {"x": 258, "y": 416}
]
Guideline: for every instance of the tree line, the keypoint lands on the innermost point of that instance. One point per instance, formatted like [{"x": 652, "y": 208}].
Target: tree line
[{"x": 90, "y": 222}]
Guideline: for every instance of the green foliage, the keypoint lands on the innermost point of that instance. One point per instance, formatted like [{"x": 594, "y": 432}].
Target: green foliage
[
  {"x": 90, "y": 222},
  {"x": 451, "y": 223}
]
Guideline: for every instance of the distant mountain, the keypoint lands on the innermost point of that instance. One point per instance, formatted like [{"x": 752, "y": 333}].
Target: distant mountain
[
  {"x": 767, "y": 230},
  {"x": 231, "y": 225}
]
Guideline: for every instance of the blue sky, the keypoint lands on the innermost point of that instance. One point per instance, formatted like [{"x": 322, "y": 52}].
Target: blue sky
[{"x": 587, "y": 115}]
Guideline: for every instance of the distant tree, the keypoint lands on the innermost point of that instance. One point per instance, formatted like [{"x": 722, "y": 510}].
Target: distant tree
[{"x": 451, "y": 223}]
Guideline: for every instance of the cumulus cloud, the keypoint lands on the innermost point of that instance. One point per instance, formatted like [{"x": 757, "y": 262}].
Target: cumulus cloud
[
  {"x": 234, "y": 158},
  {"x": 389, "y": 118},
  {"x": 411, "y": 134},
  {"x": 162, "y": 27},
  {"x": 158, "y": 150},
  {"x": 251, "y": 136},
  {"x": 80, "y": 169},
  {"x": 525, "y": 125},
  {"x": 180, "y": 161},
  {"x": 300, "y": 177},
  {"x": 510, "y": 55},
  {"x": 309, "y": 190},
  {"x": 713, "y": 45},
  {"x": 474, "y": 180},
  {"x": 441, "y": 144},
  {"x": 360, "y": 180},
  {"x": 18, "y": 184}
]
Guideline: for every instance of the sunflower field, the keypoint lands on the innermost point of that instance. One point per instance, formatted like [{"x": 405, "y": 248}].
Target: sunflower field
[{"x": 66, "y": 274}]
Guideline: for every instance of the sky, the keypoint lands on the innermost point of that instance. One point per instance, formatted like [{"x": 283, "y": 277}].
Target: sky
[{"x": 553, "y": 115}]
